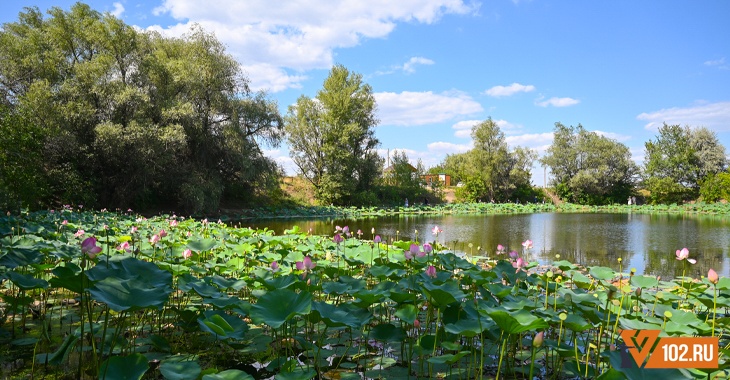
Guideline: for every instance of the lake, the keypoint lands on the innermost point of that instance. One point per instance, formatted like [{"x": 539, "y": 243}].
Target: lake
[{"x": 646, "y": 242}]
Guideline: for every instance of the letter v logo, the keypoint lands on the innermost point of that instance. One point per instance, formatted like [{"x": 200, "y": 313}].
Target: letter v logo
[{"x": 640, "y": 343}]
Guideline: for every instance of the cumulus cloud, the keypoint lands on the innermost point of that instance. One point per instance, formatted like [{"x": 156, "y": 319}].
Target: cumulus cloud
[
  {"x": 444, "y": 148},
  {"x": 300, "y": 35},
  {"x": 271, "y": 78},
  {"x": 540, "y": 142},
  {"x": 715, "y": 116},
  {"x": 421, "y": 108},
  {"x": 118, "y": 9},
  {"x": 283, "y": 159},
  {"x": 556, "y": 102},
  {"x": 500, "y": 91}
]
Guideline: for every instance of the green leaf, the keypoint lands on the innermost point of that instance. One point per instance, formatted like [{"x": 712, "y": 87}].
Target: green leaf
[
  {"x": 277, "y": 307},
  {"x": 408, "y": 313},
  {"x": 131, "y": 367},
  {"x": 518, "y": 321},
  {"x": 230, "y": 374},
  {"x": 602, "y": 273},
  {"x": 180, "y": 370}
]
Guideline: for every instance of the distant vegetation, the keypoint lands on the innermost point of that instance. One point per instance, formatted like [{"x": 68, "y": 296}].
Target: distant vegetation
[{"x": 95, "y": 112}]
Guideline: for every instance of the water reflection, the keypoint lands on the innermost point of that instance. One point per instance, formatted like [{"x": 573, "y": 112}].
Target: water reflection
[{"x": 646, "y": 242}]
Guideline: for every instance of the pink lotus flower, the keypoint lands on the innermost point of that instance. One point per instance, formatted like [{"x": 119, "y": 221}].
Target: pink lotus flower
[
  {"x": 338, "y": 239},
  {"x": 417, "y": 323},
  {"x": 712, "y": 276},
  {"x": 123, "y": 247},
  {"x": 173, "y": 223},
  {"x": 163, "y": 233},
  {"x": 377, "y": 239},
  {"x": 89, "y": 247},
  {"x": 338, "y": 229},
  {"x": 513, "y": 255},
  {"x": 412, "y": 252},
  {"x": 431, "y": 271},
  {"x": 527, "y": 244},
  {"x": 519, "y": 264},
  {"x": 154, "y": 239},
  {"x": 436, "y": 231},
  {"x": 65, "y": 222},
  {"x": 500, "y": 249},
  {"x": 187, "y": 254},
  {"x": 79, "y": 233},
  {"x": 684, "y": 254},
  {"x": 306, "y": 264},
  {"x": 274, "y": 266},
  {"x": 359, "y": 233},
  {"x": 427, "y": 248},
  {"x": 133, "y": 230}
]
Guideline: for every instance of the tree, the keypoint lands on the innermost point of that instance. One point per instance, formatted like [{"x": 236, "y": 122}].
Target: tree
[
  {"x": 332, "y": 139},
  {"x": 135, "y": 119},
  {"x": 490, "y": 171},
  {"x": 589, "y": 168},
  {"x": 679, "y": 160}
]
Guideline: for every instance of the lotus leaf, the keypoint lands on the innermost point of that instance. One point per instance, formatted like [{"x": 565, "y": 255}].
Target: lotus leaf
[{"x": 277, "y": 307}]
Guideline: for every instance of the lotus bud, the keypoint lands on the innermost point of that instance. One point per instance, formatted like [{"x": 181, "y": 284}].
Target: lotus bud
[
  {"x": 539, "y": 338},
  {"x": 712, "y": 276}
]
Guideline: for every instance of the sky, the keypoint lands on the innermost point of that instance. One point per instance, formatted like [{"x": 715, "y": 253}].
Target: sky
[{"x": 437, "y": 67}]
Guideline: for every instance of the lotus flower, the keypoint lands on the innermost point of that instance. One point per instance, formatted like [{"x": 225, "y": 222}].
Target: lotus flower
[
  {"x": 684, "y": 254},
  {"x": 377, "y": 239},
  {"x": 519, "y": 264},
  {"x": 539, "y": 338},
  {"x": 416, "y": 323},
  {"x": 154, "y": 239},
  {"x": 372, "y": 231},
  {"x": 712, "y": 276},
  {"x": 133, "y": 230},
  {"x": 338, "y": 238},
  {"x": 513, "y": 255},
  {"x": 89, "y": 247},
  {"x": 274, "y": 266},
  {"x": 346, "y": 230},
  {"x": 436, "y": 231},
  {"x": 431, "y": 271},
  {"x": 500, "y": 249},
  {"x": 306, "y": 264},
  {"x": 359, "y": 233},
  {"x": 187, "y": 254},
  {"x": 79, "y": 233},
  {"x": 412, "y": 252},
  {"x": 123, "y": 247},
  {"x": 163, "y": 233},
  {"x": 427, "y": 248},
  {"x": 527, "y": 244},
  {"x": 338, "y": 229},
  {"x": 65, "y": 222},
  {"x": 173, "y": 223}
]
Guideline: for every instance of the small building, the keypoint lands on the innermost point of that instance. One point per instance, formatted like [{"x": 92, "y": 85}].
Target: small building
[{"x": 442, "y": 178}]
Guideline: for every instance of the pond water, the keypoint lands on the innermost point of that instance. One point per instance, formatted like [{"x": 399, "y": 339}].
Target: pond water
[{"x": 646, "y": 242}]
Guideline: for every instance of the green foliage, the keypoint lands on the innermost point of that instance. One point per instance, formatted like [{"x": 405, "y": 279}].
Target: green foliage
[
  {"x": 715, "y": 187},
  {"x": 588, "y": 168},
  {"x": 125, "y": 118},
  {"x": 332, "y": 138},
  {"x": 678, "y": 160},
  {"x": 490, "y": 172}
]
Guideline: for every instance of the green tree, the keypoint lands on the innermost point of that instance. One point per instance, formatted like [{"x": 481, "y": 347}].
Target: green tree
[
  {"x": 332, "y": 139},
  {"x": 135, "y": 119},
  {"x": 678, "y": 161},
  {"x": 589, "y": 168},
  {"x": 490, "y": 171}
]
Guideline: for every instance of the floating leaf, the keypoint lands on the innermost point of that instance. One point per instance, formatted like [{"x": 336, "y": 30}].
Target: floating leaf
[
  {"x": 180, "y": 370},
  {"x": 276, "y": 307},
  {"x": 124, "y": 367}
]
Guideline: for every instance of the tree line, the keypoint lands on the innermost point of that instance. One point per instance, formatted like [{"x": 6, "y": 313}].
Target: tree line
[{"x": 96, "y": 112}]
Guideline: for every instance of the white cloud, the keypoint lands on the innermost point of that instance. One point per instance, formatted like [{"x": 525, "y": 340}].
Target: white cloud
[
  {"x": 463, "y": 128},
  {"x": 540, "y": 142},
  {"x": 443, "y": 148},
  {"x": 499, "y": 91},
  {"x": 118, "y": 9},
  {"x": 715, "y": 116},
  {"x": 409, "y": 67},
  {"x": 271, "y": 78},
  {"x": 299, "y": 35},
  {"x": 556, "y": 102},
  {"x": 420, "y": 108},
  {"x": 613, "y": 136},
  {"x": 283, "y": 159},
  {"x": 719, "y": 63}
]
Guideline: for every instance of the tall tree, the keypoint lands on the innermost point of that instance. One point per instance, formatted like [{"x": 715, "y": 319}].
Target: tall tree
[
  {"x": 490, "y": 171},
  {"x": 589, "y": 168},
  {"x": 678, "y": 160},
  {"x": 135, "y": 119},
  {"x": 332, "y": 138}
]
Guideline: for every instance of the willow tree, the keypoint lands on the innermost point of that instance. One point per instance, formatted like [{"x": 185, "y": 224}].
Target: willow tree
[
  {"x": 332, "y": 139},
  {"x": 135, "y": 119}
]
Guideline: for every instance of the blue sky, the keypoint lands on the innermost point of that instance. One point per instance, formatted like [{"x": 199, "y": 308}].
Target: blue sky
[{"x": 437, "y": 67}]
